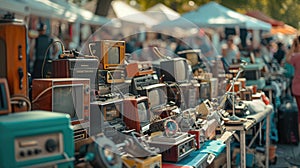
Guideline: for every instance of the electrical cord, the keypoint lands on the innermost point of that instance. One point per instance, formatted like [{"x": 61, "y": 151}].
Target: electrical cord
[
  {"x": 45, "y": 54},
  {"x": 41, "y": 94},
  {"x": 15, "y": 99}
]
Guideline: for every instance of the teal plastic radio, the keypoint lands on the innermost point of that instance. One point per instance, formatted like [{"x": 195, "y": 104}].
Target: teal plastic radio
[{"x": 36, "y": 139}]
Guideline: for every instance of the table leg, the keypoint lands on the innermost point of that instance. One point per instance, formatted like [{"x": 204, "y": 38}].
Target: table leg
[
  {"x": 267, "y": 140},
  {"x": 243, "y": 148},
  {"x": 228, "y": 154}
]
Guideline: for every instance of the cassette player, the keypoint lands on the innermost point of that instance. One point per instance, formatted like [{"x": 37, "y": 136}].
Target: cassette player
[
  {"x": 139, "y": 69},
  {"x": 137, "y": 83},
  {"x": 36, "y": 139}
]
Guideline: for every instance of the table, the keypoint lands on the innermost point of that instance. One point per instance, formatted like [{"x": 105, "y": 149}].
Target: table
[
  {"x": 251, "y": 120},
  {"x": 199, "y": 158}
]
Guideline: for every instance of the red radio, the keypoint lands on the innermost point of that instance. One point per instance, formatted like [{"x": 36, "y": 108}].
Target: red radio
[{"x": 139, "y": 69}]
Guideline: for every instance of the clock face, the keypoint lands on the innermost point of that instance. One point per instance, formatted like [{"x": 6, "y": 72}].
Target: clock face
[{"x": 171, "y": 127}]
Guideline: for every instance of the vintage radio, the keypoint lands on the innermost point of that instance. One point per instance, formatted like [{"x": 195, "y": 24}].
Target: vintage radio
[
  {"x": 5, "y": 106},
  {"x": 36, "y": 139},
  {"x": 137, "y": 83},
  {"x": 13, "y": 60},
  {"x": 113, "y": 76},
  {"x": 76, "y": 68},
  {"x": 110, "y": 53},
  {"x": 148, "y": 162},
  {"x": 204, "y": 108},
  {"x": 107, "y": 117},
  {"x": 139, "y": 69},
  {"x": 136, "y": 113},
  {"x": 65, "y": 95},
  {"x": 174, "y": 148}
]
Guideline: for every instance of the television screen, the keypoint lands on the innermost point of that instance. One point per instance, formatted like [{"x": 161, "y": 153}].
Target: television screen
[
  {"x": 112, "y": 112},
  {"x": 142, "y": 110},
  {"x": 114, "y": 55},
  {"x": 4, "y": 98},
  {"x": 180, "y": 71},
  {"x": 69, "y": 99},
  {"x": 157, "y": 97}
]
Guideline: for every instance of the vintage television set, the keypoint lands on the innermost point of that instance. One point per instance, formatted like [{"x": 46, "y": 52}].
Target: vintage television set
[
  {"x": 175, "y": 70},
  {"x": 157, "y": 95},
  {"x": 111, "y": 53},
  {"x": 5, "y": 106},
  {"x": 65, "y": 95},
  {"x": 107, "y": 118},
  {"x": 137, "y": 114}
]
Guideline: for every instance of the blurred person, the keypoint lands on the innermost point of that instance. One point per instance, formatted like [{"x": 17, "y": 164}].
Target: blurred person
[
  {"x": 41, "y": 44},
  {"x": 230, "y": 53},
  {"x": 280, "y": 53},
  {"x": 293, "y": 58}
]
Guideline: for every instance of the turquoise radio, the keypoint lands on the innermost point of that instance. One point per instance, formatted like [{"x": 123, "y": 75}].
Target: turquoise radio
[{"x": 36, "y": 139}]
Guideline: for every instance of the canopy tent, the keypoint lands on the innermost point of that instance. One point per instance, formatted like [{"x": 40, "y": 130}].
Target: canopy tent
[
  {"x": 285, "y": 29},
  {"x": 127, "y": 13},
  {"x": 60, "y": 10},
  {"x": 213, "y": 14},
  {"x": 261, "y": 16},
  {"x": 277, "y": 26},
  {"x": 162, "y": 13},
  {"x": 15, "y": 7},
  {"x": 84, "y": 16}
]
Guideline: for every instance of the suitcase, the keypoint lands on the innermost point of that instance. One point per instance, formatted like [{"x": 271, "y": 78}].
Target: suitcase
[
  {"x": 13, "y": 64},
  {"x": 288, "y": 122}
]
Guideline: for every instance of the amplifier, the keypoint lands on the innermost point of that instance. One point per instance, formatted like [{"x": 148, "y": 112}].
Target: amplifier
[
  {"x": 13, "y": 65},
  {"x": 149, "y": 162},
  {"x": 175, "y": 148},
  {"x": 36, "y": 139},
  {"x": 139, "y": 69},
  {"x": 76, "y": 68},
  {"x": 110, "y": 76}
]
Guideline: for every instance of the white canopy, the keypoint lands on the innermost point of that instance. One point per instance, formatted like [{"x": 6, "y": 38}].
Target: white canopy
[
  {"x": 162, "y": 13},
  {"x": 127, "y": 13},
  {"x": 213, "y": 14}
]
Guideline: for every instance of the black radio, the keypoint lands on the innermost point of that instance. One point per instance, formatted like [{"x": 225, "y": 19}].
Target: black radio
[{"x": 137, "y": 83}]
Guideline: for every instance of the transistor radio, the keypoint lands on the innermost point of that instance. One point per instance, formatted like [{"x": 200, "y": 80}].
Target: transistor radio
[
  {"x": 139, "y": 69},
  {"x": 36, "y": 139}
]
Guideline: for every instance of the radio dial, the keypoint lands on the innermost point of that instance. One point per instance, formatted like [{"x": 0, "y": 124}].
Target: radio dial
[{"x": 51, "y": 145}]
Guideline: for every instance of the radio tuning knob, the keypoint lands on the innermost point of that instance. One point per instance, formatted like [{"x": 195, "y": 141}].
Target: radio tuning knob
[{"x": 50, "y": 145}]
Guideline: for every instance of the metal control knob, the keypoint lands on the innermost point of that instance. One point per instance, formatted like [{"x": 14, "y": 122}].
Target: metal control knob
[{"x": 51, "y": 145}]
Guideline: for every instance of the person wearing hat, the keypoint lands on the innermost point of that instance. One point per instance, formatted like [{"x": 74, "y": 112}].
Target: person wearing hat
[{"x": 41, "y": 62}]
